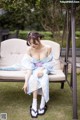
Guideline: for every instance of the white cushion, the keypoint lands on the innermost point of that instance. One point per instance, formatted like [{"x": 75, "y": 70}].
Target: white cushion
[
  {"x": 57, "y": 76},
  {"x": 20, "y": 75},
  {"x": 10, "y": 59},
  {"x": 13, "y": 46},
  {"x": 18, "y": 46}
]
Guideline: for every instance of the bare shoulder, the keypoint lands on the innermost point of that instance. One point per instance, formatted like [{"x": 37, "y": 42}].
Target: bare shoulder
[
  {"x": 49, "y": 49},
  {"x": 29, "y": 50}
]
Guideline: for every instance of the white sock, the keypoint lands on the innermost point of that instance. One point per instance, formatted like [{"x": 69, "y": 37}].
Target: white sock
[
  {"x": 34, "y": 106},
  {"x": 42, "y": 104}
]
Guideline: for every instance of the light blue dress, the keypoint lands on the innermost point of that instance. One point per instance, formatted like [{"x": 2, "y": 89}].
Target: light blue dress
[{"x": 35, "y": 83}]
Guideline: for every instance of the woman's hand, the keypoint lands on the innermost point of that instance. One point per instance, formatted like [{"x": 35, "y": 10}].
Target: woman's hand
[
  {"x": 40, "y": 74},
  {"x": 25, "y": 88}
]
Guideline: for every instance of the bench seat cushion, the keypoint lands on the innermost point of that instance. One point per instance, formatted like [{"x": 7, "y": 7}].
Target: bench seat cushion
[{"x": 20, "y": 75}]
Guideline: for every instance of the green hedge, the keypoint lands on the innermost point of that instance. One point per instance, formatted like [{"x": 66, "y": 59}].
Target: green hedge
[{"x": 49, "y": 36}]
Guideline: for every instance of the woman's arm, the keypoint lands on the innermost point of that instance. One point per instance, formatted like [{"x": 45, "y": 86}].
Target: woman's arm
[
  {"x": 27, "y": 76},
  {"x": 44, "y": 69},
  {"x": 29, "y": 51},
  {"x": 49, "y": 65},
  {"x": 49, "y": 50}
]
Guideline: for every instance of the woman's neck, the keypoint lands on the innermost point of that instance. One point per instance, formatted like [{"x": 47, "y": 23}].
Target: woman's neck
[{"x": 40, "y": 46}]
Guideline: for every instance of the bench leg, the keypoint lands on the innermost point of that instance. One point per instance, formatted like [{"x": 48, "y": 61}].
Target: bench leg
[{"x": 62, "y": 85}]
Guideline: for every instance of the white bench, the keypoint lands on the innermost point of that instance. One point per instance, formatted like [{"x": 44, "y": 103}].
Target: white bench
[{"x": 13, "y": 50}]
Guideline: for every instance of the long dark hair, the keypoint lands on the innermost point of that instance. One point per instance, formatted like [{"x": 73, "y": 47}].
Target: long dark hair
[{"x": 34, "y": 36}]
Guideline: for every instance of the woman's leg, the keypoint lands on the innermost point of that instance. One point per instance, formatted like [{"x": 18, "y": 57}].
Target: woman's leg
[
  {"x": 34, "y": 104},
  {"x": 42, "y": 105},
  {"x": 45, "y": 94}
]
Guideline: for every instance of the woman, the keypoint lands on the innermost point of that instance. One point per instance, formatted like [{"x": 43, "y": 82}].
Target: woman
[
  {"x": 39, "y": 66},
  {"x": 39, "y": 63}
]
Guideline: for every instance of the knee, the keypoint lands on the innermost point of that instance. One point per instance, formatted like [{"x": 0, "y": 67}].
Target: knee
[{"x": 29, "y": 71}]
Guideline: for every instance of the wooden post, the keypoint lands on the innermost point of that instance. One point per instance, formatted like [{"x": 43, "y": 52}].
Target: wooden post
[{"x": 74, "y": 78}]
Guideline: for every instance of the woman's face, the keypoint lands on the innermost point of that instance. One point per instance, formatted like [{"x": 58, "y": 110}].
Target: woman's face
[{"x": 34, "y": 45}]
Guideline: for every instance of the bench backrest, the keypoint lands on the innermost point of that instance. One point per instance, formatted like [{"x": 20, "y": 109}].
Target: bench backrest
[{"x": 12, "y": 51}]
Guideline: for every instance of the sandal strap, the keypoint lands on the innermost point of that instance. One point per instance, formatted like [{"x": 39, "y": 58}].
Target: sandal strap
[
  {"x": 44, "y": 108},
  {"x": 33, "y": 110}
]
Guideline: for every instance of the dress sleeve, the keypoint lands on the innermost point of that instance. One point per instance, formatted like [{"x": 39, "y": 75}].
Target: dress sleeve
[
  {"x": 49, "y": 66},
  {"x": 15, "y": 67},
  {"x": 27, "y": 63}
]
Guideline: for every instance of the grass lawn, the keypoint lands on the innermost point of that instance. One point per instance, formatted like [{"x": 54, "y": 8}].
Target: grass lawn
[{"x": 16, "y": 104}]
